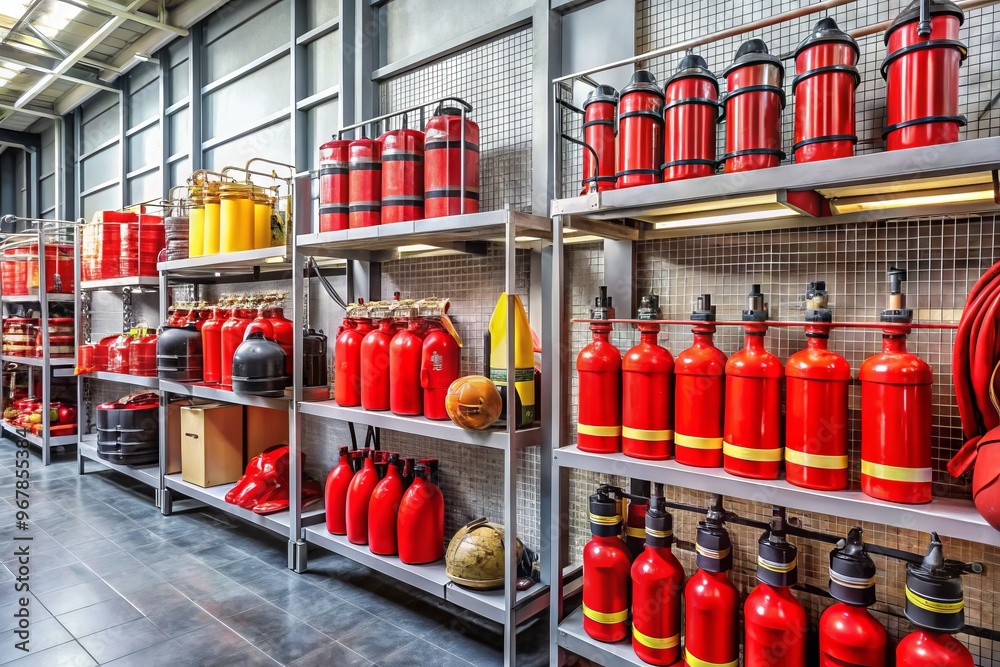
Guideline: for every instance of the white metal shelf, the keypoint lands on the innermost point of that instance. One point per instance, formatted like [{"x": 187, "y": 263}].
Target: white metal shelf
[
  {"x": 948, "y": 517},
  {"x": 223, "y": 395},
  {"x": 151, "y": 382},
  {"x": 572, "y": 638},
  {"x": 146, "y": 282},
  {"x": 148, "y": 474},
  {"x": 421, "y": 426},
  {"x": 38, "y": 361},
  {"x": 54, "y": 441},
  {"x": 52, "y": 297},
  {"x": 225, "y": 264}
]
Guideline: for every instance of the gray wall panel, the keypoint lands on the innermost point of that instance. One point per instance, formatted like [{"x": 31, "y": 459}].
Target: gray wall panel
[
  {"x": 109, "y": 199},
  {"x": 261, "y": 34},
  {"x": 230, "y": 109},
  {"x": 143, "y": 103},
  {"x": 145, "y": 188},
  {"x": 320, "y": 11},
  {"x": 271, "y": 142},
  {"x": 178, "y": 129},
  {"x": 97, "y": 105},
  {"x": 100, "y": 168},
  {"x": 48, "y": 164},
  {"x": 179, "y": 172},
  {"x": 144, "y": 148},
  {"x": 598, "y": 34},
  {"x": 324, "y": 121},
  {"x": 323, "y": 61},
  {"x": 99, "y": 129},
  {"x": 48, "y": 191}
]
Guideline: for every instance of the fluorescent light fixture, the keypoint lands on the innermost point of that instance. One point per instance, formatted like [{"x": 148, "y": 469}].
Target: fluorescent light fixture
[
  {"x": 961, "y": 195},
  {"x": 911, "y": 185},
  {"x": 146, "y": 58},
  {"x": 744, "y": 214},
  {"x": 417, "y": 247},
  {"x": 582, "y": 238},
  {"x": 714, "y": 205},
  {"x": 526, "y": 239},
  {"x": 274, "y": 260}
]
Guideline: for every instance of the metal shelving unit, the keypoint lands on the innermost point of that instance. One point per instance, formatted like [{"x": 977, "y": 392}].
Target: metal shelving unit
[
  {"x": 145, "y": 381},
  {"x": 147, "y": 474}
]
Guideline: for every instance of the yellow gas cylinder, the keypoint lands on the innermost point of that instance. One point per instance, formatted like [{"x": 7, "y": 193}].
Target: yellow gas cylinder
[
  {"x": 262, "y": 207},
  {"x": 235, "y": 226},
  {"x": 524, "y": 361},
  {"x": 196, "y": 224},
  {"x": 212, "y": 219}
]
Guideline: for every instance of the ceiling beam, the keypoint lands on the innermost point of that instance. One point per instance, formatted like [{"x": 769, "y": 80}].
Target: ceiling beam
[
  {"x": 127, "y": 13},
  {"x": 36, "y": 65},
  {"x": 24, "y": 139},
  {"x": 29, "y": 112},
  {"x": 35, "y": 47},
  {"x": 23, "y": 19}
]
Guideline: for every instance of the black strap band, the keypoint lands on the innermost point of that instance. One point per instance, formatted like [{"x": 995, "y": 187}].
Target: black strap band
[
  {"x": 403, "y": 201},
  {"x": 702, "y": 101},
  {"x": 761, "y": 88},
  {"x": 336, "y": 209},
  {"x": 451, "y": 192},
  {"x": 601, "y": 179},
  {"x": 333, "y": 171},
  {"x": 641, "y": 114},
  {"x": 853, "y": 138},
  {"x": 638, "y": 172},
  {"x": 690, "y": 162},
  {"x": 365, "y": 208},
  {"x": 755, "y": 151},
  {"x": 439, "y": 145},
  {"x": 829, "y": 69},
  {"x": 922, "y": 46},
  {"x": 366, "y": 166},
  {"x": 960, "y": 119},
  {"x": 609, "y": 122},
  {"x": 402, "y": 157}
]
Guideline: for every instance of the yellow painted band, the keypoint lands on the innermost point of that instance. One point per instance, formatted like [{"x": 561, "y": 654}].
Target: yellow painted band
[
  {"x": 633, "y": 531},
  {"x": 712, "y": 553},
  {"x": 605, "y": 520},
  {"x": 605, "y": 618},
  {"x": 894, "y": 473},
  {"x": 695, "y": 442},
  {"x": 815, "y": 460},
  {"x": 599, "y": 431},
  {"x": 662, "y": 534},
  {"x": 751, "y": 454},
  {"x": 647, "y": 435},
  {"x": 654, "y": 642},
  {"x": 933, "y": 605},
  {"x": 777, "y": 567},
  {"x": 697, "y": 662}
]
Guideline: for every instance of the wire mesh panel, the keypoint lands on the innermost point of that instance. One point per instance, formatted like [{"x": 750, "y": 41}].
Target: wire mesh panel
[{"x": 495, "y": 78}]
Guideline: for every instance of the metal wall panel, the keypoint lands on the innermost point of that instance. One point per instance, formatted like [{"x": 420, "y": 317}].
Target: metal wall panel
[
  {"x": 145, "y": 188},
  {"x": 319, "y": 12},
  {"x": 246, "y": 42},
  {"x": 324, "y": 120},
  {"x": 243, "y": 103},
  {"x": 323, "y": 62},
  {"x": 144, "y": 148},
  {"x": 100, "y": 128},
  {"x": 100, "y": 167},
  {"x": 107, "y": 199},
  {"x": 178, "y": 129},
  {"x": 271, "y": 142}
]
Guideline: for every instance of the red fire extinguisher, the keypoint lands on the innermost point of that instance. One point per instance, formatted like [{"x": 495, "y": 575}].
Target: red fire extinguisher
[
  {"x": 365, "y": 177},
  {"x": 711, "y": 601},
  {"x": 375, "y": 359},
  {"x": 752, "y": 440},
  {"x": 405, "y": 392},
  {"x": 647, "y": 398},
  {"x": 635, "y": 526},
  {"x": 935, "y": 604},
  {"x": 281, "y": 328},
  {"x": 402, "y": 175},
  {"x": 334, "y": 191},
  {"x": 232, "y": 335},
  {"x": 347, "y": 356},
  {"x": 383, "y": 509},
  {"x": 444, "y": 161},
  {"x": 848, "y": 633},
  {"x": 599, "y": 369},
  {"x": 824, "y": 85},
  {"x": 896, "y": 413},
  {"x": 440, "y": 361},
  {"x": 420, "y": 523},
  {"x": 640, "y": 131},
  {"x": 816, "y": 404},
  {"x": 775, "y": 622},
  {"x": 657, "y": 584},
  {"x": 920, "y": 70},
  {"x": 700, "y": 394},
  {"x": 690, "y": 114},
  {"x": 337, "y": 484},
  {"x": 753, "y": 101},
  {"x": 607, "y": 565},
  {"x": 211, "y": 344},
  {"x": 599, "y": 133},
  {"x": 358, "y": 498}
]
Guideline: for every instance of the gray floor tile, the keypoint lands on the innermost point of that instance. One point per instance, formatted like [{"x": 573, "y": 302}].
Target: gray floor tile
[
  {"x": 337, "y": 654},
  {"x": 212, "y": 641},
  {"x": 423, "y": 653},
  {"x": 156, "y": 552},
  {"x": 132, "y": 580},
  {"x": 107, "y": 564},
  {"x": 484, "y": 649},
  {"x": 35, "y": 609},
  {"x": 76, "y": 597},
  {"x": 341, "y": 620},
  {"x": 247, "y": 569},
  {"x": 44, "y": 634},
  {"x": 252, "y": 657},
  {"x": 122, "y": 640},
  {"x": 179, "y": 619},
  {"x": 306, "y": 605},
  {"x": 218, "y": 554},
  {"x": 134, "y": 538},
  {"x": 262, "y": 622},
  {"x": 99, "y": 547},
  {"x": 376, "y": 639},
  {"x": 43, "y": 561},
  {"x": 62, "y": 577},
  {"x": 178, "y": 567},
  {"x": 98, "y": 617},
  {"x": 204, "y": 582},
  {"x": 200, "y": 539},
  {"x": 229, "y": 602},
  {"x": 164, "y": 654},
  {"x": 74, "y": 534},
  {"x": 158, "y": 596},
  {"x": 280, "y": 583},
  {"x": 70, "y": 654},
  {"x": 291, "y": 645}
]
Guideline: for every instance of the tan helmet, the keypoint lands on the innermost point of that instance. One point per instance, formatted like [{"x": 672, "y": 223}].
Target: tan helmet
[{"x": 475, "y": 555}]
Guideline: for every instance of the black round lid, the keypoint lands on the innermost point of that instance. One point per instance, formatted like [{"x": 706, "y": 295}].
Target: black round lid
[
  {"x": 693, "y": 65},
  {"x": 449, "y": 111},
  {"x": 776, "y": 560},
  {"x": 934, "y": 598},
  {"x": 605, "y": 515},
  {"x": 826, "y": 31},
  {"x": 754, "y": 52},
  {"x": 714, "y": 547},
  {"x": 603, "y": 93},
  {"x": 659, "y": 527},
  {"x": 911, "y": 13},
  {"x": 852, "y": 572},
  {"x": 642, "y": 81}
]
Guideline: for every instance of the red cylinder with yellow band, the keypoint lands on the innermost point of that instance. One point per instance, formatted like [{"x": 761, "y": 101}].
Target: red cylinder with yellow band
[
  {"x": 816, "y": 393},
  {"x": 647, "y": 398},
  {"x": 635, "y": 527},
  {"x": 711, "y": 601},
  {"x": 752, "y": 434},
  {"x": 657, "y": 584},
  {"x": 700, "y": 394},
  {"x": 896, "y": 421},
  {"x": 599, "y": 371},
  {"x": 606, "y": 566}
]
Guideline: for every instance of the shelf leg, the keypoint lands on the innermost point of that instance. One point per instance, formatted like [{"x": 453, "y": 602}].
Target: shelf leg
[
  {"x": 297, "y": 558},
  {"x": 166, "y": 502},
  {"x": 81, "y": 463}
]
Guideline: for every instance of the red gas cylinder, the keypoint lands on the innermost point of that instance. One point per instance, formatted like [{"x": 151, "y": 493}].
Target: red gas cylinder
[
  {"x": 599, "y": 133},
  {"x": 657, "y": 584},
  {"x": 935, "y": 604},
  {"x": 896, "y": 420},
  {"x": 359, "y": 495},
  {"x": 420, "y": 524},
  {"x": 334, "y": 190},
  {"x": 921, "y": 76},
  {"x": 375, "y": 393},
  {"x": 752, "y": 433},
  {"x": 59, "y": 276},
  {"x": 816, "y": 392},
  {"x": 232, "y": 335},
  {"x": 142, "y": 356},
  {"x": 211, "y": 342},
  {"x": 347, "y": 356},
  {"x": 824, "y": 85},
  {"x": 365, "y": 177},
  {"x": 848, "y": 633},
  {"x": 337, "y": 484},
  {"x": 754, "y": 100},
  {"x": 700, "y": 394},
  {"x": 775, "y": 622},
  {"x": 443, "y": 169},
  {"x": 405, "y": 392},
  {"x": 647, "y": 398},
  {"x": 607, "y": 567},
  {"x": 690, "y": 114},
  {"x": 281, "y": 328},
  {"x": 635, "y": 527},
  {"x": 599, "y": 370},
  {"x": 440, "y": 365},
  {"x": 711, "y": 602},
  {"x": 640, "y": 131},
  {"x": 402, "y": 175},
  {"x": 383, "y": 510}
]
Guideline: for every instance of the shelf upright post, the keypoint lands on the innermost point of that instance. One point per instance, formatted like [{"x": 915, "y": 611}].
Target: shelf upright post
[
  {"x": 166, "y": 502},
  {"x": 510, "y": 455},
  {"x": 555, "y": 486},
  {"x": 78, "y": 341},
  {"x": 297, "y": 548},
  {"x": 43, "y": 296}
]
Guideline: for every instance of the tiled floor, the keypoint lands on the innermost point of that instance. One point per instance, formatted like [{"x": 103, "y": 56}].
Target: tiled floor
[{"x": 113, "y": 582}]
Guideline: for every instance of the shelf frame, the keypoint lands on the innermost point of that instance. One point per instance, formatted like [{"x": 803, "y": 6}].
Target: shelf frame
[
  {"x": 148, "y": 382},
  {"x": 195, "y": 390},
  {"x": 147, "y": 474},
  {"x": 113, "y": 284}
]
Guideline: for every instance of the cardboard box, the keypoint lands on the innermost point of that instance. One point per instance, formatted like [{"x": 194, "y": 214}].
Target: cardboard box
[
  {"x": 211, "y": 444},
  {"x": 264, "y": 427},
  {"x": 174, "y": 432}
]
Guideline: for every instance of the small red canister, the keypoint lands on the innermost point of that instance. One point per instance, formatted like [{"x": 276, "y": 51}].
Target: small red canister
[
  {"x": 443, "y": 168},
  {"x": 640, "y": 131},
  {"x": 754, "y": 100},
  {"x": 690, "y": 114},
  {"x": 142, "y": 356},
  {"x": 118, "y": 357},
  {"x": 59, "y": 269},
  {"x": 365, "y": 174},
  {"x": 599, "y": 132},
  {"x": 402, "y": 176},
  {"x": 333, "y": 185}
]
